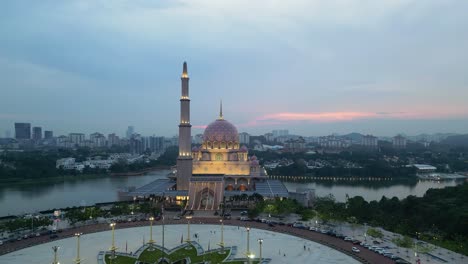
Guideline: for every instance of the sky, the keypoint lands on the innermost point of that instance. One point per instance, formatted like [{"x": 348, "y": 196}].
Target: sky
[{"x": 313, "y": 67}]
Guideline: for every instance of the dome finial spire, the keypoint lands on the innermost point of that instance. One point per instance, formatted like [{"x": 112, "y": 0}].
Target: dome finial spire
[{"x": 221, "y": 109}]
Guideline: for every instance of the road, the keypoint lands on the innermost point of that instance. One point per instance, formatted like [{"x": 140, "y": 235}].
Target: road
[{"x": 365, "y": 256}]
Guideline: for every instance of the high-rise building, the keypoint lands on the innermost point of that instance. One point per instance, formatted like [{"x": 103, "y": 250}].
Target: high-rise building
[
  {"x": 112, "y": 139},
  {"x": 37, "y": 133},
  {"x": 399, "y": 141},
  {"x": 244, "y": 138},
  {"x": 184, "y": 161},
  {"x": 136, "y": 144},
  {"x": 269, "y": 137},
  {"x": 23, "y": 130},
  {"x": 156, "y": 144},
  {"x": 48, "y": 134},
  {"x": 76, "y": 138},
  {"x": 98, "y": 139},
  {"x": 130, "y": 132},
  {"x": 369, "y": 141}
]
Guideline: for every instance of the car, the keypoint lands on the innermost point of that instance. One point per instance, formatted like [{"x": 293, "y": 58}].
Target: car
[
  {"x": 243, "y": 213},
  {"x": 312, "y": 228},
  {"x": 355, "y": 241},
  {"x": 176, "y": 217},
  {"x": 348, "y": 239},
  {"x": 38, "y": 234},
  {"x": 1, "y": 242},
  {"x": 53, "y": 236},
  {"x": 355, "y": 249},
  {"x": 243, "y": 218},
  {"x": 227, "y": 217}
]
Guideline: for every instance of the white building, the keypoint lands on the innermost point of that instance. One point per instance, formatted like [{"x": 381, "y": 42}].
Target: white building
[
  {"x": 244, "y": 138},
  {"x": 369, "y": 141},
  {"x": 76, "y": 138},
  {"x": 399, "y": 141},
  {"x": 333, "y": 142},
  {"x": 98, "y": 139}
]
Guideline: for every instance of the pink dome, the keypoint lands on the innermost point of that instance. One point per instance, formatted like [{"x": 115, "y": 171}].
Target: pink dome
[
  {"x": 253, "y": 158},
  {"x": 195, "y": 149},
  {"x": 254, "y": 163},
  {"x": 244, "y": 149},
  {"x": 221, "y": 130}
]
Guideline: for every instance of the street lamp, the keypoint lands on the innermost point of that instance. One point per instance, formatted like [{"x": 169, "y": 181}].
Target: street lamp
[
  {"x": 188, "y": 228},
  {"x": 78, "y": 260},
  {"x": 365, "y": 232},
  {"x": 162, "y": 252},
  {"x": 133, "y": 209},
  {"x": 222, "y": 236},
  {"x": 113, "y": 248},
  {"x": 248, "y": 253},
  {"x": 260, "y": 242},
  {"x": 151, "y": 241},
  {"x": 55, "y": 248}
]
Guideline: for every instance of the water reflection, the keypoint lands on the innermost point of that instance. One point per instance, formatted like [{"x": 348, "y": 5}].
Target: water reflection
[
  {"x": 371, "y": 190},
  {"x": 67, "y": 192}
]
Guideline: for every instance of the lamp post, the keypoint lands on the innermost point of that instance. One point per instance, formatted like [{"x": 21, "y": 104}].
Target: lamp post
[
  {"x": 134, "y": 205},
  {"x": 248, "y": 253},
  {"x": 78, "y": 260},
  {"x": 113, "y": 248},
  {"x": 365, "y": 232},
  {"x": 55, "y": 248},
  {"x": 188, "y": 228},
  {"x": 162, "y": 253},
  {"x": 221, "y": 244},
  {"x": 260, "y": 242},
  {"x": 151, "y": 241}
]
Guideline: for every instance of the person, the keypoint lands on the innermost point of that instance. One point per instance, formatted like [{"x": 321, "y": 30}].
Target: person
[
  {"x": 304, "y": 247},
  {"x": 284, "y": 255}
]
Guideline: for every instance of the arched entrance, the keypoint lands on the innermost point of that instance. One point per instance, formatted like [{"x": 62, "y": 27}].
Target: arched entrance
[{"x": 207, "y": 198}]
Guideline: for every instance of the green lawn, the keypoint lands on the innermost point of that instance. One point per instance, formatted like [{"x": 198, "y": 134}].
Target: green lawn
[{"x": 189, "y": 251}]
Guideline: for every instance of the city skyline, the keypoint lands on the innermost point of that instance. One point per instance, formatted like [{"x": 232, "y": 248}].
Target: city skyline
[{"x": 315, "y": 69}]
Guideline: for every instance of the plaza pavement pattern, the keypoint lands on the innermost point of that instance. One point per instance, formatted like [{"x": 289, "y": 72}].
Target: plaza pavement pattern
[{"x": 282, "y": 244}]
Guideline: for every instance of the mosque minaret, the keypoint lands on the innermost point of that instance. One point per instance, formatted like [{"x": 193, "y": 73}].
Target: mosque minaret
[{"x": 184, "y": 161}]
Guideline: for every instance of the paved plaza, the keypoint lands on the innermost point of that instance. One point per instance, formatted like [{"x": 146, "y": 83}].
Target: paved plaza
[{"x": 281, "y": 248}]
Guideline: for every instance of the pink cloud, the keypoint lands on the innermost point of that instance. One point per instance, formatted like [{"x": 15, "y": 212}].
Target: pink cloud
[{"x": 291, "y": 117}]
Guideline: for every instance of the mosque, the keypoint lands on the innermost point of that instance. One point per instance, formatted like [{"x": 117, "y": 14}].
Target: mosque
[{"x": 219, "y": 168}]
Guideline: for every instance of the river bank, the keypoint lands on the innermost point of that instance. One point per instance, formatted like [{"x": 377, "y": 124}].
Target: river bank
[{"x": 26, "y": 181}]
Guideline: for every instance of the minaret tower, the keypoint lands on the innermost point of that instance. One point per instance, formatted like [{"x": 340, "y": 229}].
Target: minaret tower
[{"x": 184, "y": 161}]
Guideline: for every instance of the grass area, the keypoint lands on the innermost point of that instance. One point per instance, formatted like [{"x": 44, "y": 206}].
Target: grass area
[
  {"x": 182, "y": 253},
  {"x": 150, "y": 256}
]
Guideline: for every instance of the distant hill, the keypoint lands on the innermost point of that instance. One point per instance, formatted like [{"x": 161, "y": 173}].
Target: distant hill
[
  {"x": 458, "y": 140},
  {"x": 355, "y": 137},
  {"x": 438, "y": 137}
]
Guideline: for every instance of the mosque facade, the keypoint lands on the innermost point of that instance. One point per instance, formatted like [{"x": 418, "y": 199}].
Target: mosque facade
[{"x": 220, "y": 164}]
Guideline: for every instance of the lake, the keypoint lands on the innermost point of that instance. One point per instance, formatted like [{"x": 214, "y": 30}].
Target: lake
[{"x": 26, "y": 198}]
